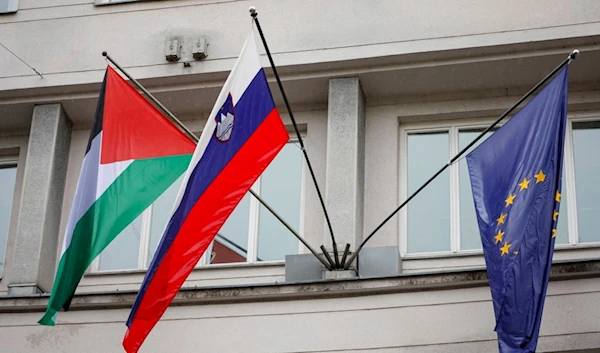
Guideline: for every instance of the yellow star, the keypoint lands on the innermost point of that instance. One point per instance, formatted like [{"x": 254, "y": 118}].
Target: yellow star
[
  {"x": 540, "y": 177},
  {"x": 499, "y": 236},
  {"x": 557, "y": 198},
  {"x": 555, "y": 215},
  {"x": 553, "y": 233},
  {"x": 524, "y": 184},
  {"x": 504, "y": 249},
  {"x": 510, "y": 199},
  {"x": 501, "y": 218}
]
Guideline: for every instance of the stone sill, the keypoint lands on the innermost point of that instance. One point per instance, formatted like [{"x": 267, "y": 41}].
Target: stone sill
[
  {"x": 424, "y": 281},
  {"x": 207, "y": 268}
]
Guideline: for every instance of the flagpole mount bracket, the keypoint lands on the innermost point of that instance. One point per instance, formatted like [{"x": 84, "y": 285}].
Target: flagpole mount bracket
[
  {"x": 252, "y": 10},
  {"x": 574, "y": 54}
]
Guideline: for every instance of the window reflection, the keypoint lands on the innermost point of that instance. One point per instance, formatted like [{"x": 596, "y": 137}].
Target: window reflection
[
  {"x": 8, "y": 175},
  {"x": 586, "y": 144},
  {"x": 161, "y": 213},
  {"x": 231, "y": 243},
  {"x": 428, "y": 212},
  {"x": 280, "y": 187}
]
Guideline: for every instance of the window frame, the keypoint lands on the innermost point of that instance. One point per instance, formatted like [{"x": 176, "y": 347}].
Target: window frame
[
  {"x": 453, "y": 127},
  {"x": 13, "y": 7},
  {"x": 9, "y": 161},
  {"x": 252, "y": 245}
]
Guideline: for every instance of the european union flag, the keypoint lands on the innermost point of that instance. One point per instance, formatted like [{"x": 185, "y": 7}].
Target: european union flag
[{"x": 516, "y": 177}]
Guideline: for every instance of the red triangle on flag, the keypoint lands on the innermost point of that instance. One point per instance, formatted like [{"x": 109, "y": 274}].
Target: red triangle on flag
[{"x": 133, "y": 128}]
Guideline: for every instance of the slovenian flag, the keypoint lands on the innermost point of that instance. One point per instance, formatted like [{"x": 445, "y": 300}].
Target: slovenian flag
[
  {"x": 133, "y": 155},
  {"x": 243, "y": 134}
]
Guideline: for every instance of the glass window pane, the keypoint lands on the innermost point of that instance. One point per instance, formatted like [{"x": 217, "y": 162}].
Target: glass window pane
[
  {"x": 123, "y": 252},
  {"x": 8, "y": 177},
  {"x": 161, "y": 213},
  {"x": 429, "y": 212},
  {"x": 231, "y": 242},
  {"x": 469, "y": 229},
  {"x": 280, "y": 187},
  {"x": 586, "y": 144}
]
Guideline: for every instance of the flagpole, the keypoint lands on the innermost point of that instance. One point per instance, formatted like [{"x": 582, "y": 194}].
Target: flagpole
[
  {"x": 254, "y": 15},
  {"x": 152, "y": 98},
  {"x": 178, "y": 122},
  {"x": 565, "y": 62}
]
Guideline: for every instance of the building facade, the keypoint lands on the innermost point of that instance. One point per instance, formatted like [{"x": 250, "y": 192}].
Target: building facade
[{"x": 384, "y": 92}]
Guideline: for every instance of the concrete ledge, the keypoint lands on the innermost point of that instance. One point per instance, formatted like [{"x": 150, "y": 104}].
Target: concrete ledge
[{"x": 417, "y": 282}]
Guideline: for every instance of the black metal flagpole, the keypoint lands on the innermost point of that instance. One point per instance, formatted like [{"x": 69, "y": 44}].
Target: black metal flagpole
[
  {"x": 254, "y": 15},
  {"x": 178, "y": 122},
  {"x": 565, "y": 62}
]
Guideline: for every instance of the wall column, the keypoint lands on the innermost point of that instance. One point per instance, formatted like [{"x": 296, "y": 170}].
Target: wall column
[
  {"x": 345, "y": 161},
  {"x": 34, "y": 257}
]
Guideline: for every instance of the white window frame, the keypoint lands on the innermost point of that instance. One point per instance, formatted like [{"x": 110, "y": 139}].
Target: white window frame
[
  {"x": 453, "y": 127},
  {"x": 13, "y": 6},
  {"x": 252, "y": 246}
]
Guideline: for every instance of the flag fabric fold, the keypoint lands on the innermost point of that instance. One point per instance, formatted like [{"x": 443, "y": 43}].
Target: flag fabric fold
[
  {"x": 243, "y": 134},
  {"x": 123, "y": 171},
  {"x": 516, "y": 178}
]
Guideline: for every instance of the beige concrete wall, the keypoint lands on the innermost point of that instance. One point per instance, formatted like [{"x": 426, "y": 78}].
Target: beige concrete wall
[
  {"x": 64, "y": 39},
  {"x": 423, "y": 322}
]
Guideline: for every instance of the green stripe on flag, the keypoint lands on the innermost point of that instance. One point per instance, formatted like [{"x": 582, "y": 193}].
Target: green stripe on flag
[{"x": 123, "y": 201}]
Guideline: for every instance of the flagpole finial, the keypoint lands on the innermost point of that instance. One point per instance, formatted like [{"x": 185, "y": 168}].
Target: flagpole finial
[
  {"x": 104, "y": 53},
  {"x": 574, "y": 54},
  {"x": 252, "y": 10}
]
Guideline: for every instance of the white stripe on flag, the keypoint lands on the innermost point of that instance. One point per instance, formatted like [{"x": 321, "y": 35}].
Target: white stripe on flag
[
  {"x": 240, "y": 77},
  {"x": 108, "y": 173},
  {"x": 85, "y": 193}
]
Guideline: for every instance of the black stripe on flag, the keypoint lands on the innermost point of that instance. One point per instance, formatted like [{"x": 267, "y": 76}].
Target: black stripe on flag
[{"x": 97, "y": 127}]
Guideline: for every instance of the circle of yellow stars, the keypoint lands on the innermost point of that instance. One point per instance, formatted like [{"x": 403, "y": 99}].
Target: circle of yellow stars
[{"x": 540, "y": 177}]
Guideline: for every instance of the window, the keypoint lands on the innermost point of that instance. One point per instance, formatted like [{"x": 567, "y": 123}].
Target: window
[
  {"x": 9, "y": 6},
  {"x": 585, "y": 146},
  {"x": 251, "y": 233},
  {"x": 441, "y": 219},
  {"x": 429, "y": 214},
  {"x": 8, "y": 176}
]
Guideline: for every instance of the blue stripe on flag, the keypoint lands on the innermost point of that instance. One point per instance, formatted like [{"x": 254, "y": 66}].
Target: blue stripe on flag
[{"x": 251, "y": 110}]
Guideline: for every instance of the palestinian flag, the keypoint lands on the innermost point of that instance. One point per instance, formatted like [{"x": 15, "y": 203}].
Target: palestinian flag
[{"x": 133, "y": 155}]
